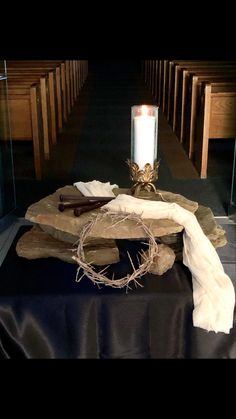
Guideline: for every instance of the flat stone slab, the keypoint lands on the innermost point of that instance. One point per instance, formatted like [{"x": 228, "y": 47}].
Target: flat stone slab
[
  {"x": 45, "y": 240},
  {"x": 35, "y": 244},
  {"x": 66, "y": 227}
]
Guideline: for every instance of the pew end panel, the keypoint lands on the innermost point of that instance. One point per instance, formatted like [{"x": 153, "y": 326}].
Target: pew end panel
[
  {"x": 215, "y": 119},
  {"x": 26, "y": 123}
]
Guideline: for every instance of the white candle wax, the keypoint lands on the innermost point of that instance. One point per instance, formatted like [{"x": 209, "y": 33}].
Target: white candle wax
[{"x": 144, "y": 140}]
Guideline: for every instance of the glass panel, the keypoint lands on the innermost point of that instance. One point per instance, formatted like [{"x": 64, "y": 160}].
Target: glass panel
[
  {"x": 233, "y": 187},
  {"x": 7, "y": 186}
]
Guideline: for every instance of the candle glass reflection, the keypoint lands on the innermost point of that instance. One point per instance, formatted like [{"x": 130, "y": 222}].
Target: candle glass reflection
[{"x": 144, "y": 135}]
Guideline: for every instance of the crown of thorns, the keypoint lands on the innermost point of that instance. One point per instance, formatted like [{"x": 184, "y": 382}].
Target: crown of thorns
[{"x": 145, "y": 260}]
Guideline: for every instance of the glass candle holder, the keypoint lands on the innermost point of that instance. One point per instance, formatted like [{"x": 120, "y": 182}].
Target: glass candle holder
[{"x": 144, "y": 132}]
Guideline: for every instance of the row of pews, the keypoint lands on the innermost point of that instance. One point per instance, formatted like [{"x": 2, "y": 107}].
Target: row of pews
[
  {"x": 41, "y": 95},
  {"x": 198, "y": 99}
]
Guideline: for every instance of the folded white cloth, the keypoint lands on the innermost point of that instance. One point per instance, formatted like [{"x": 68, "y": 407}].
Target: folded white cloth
[
  {"x": 96, "y": 188},
  {"x": 213, "y": 291}
]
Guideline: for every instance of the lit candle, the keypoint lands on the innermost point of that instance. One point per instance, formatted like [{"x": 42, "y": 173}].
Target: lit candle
[{"x": 145, "y": 133}]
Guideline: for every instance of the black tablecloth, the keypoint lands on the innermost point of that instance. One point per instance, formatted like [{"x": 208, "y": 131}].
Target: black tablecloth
[{"x": 45, "y": 313}]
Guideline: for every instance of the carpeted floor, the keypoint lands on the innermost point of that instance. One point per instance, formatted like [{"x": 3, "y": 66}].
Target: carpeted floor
[{"x": 95, "y": 144}]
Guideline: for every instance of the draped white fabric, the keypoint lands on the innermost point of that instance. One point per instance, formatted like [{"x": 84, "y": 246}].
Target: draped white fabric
[
  {"x": 213, "y": 291},
  {"x": 95, "y": 188}
]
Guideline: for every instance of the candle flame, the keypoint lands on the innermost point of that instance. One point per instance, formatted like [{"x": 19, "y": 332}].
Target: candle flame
[{"x": 144, "y": 110}]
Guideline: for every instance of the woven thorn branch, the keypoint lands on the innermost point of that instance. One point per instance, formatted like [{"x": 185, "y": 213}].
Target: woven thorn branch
[{"x": 100, "y": 277}]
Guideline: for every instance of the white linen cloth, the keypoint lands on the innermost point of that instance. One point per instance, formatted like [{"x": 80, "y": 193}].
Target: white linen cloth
[
  {"x": 213, "y": 291},
  {"x": 96, "y": 188}
]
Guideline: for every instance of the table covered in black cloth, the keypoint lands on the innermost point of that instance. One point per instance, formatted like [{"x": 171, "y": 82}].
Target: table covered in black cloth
[{"x": 45, "y": 313}]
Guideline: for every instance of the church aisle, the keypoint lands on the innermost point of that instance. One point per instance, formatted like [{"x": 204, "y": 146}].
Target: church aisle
[{"x": 95, "y": 144}]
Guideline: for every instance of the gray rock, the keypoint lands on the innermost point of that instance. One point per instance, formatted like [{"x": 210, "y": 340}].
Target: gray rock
[{"x": 163, "y": 261}]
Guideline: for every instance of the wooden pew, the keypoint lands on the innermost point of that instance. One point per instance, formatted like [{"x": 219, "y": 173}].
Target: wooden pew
[
  {"x": 174, "y": 84},
  {"x": 25, "y": 105},
  {"x": 178, "y": 86},
  {"x": 54, "y": 88},
  {"x": 84, "y": 71},
  {"x": 189, "y": 104},
  {"x": 64, "y": 73},
  {"x": 215, "y": 119},
  {"x": 48, "y": 91},
  {"x": 160, "y": 82},
  {"x": 69, "y": 87},
  {"x": 76, "y": 72},
  {"x": 55, "y": 78},
  {"x": 151, "y": 76},
  {"x": 33, "y": 110},
  {"x": 45, "y": 111},
  {"x": 146, "y": 71},
  {"x": 156, "y": 81},
  {"x": 184, "y": 79},
  {"x": 164, "y": 100},
  {"x": 68, "y": 80}
]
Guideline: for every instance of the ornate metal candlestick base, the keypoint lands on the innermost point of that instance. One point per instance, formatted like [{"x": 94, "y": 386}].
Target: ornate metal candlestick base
[{"x": 143, "y": 178}]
